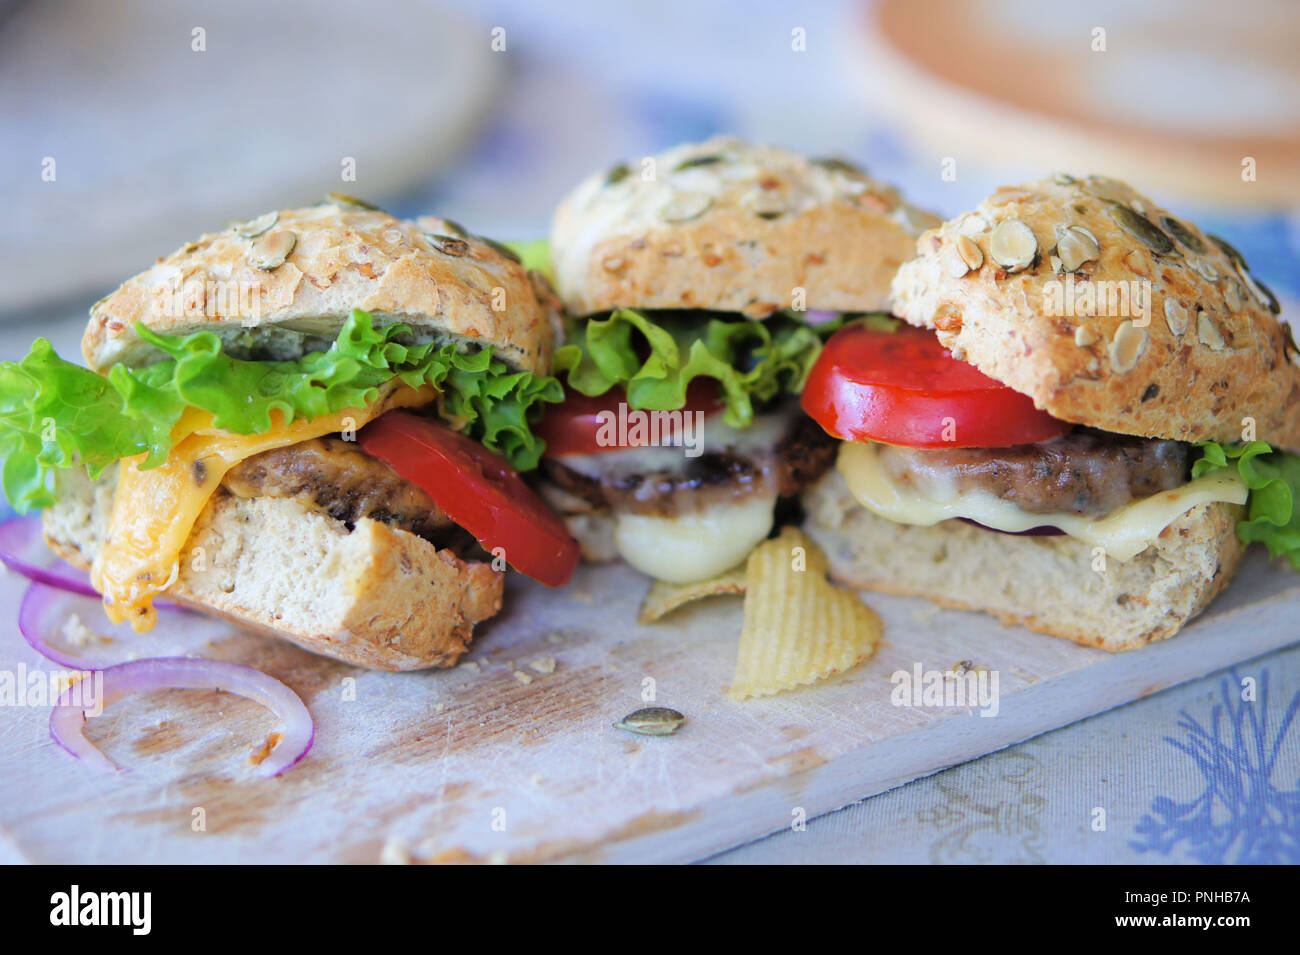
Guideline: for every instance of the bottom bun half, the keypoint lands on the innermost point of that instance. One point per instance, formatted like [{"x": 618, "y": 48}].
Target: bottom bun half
[
  {"x": 1046, "y": 584},
  {"x": 375, "y": 596}
]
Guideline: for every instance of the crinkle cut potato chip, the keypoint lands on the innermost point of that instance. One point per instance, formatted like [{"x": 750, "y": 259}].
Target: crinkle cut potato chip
[
  {"x": 799, "y": 627},
  {"x": 664, "y": 597}
]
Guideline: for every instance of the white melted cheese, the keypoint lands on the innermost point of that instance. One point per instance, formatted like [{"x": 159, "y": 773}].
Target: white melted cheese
[
  {"x": 712, "y": 538},
  {"x": 697, "y": 545},
  {"x": 1123, "y": 534}
]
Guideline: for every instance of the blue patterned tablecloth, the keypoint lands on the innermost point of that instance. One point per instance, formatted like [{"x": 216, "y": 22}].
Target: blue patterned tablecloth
[{"x": 1196, "y": 774}]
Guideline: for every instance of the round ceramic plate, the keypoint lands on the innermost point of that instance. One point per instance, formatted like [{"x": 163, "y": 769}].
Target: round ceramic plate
[{"x": 134, "y": 126}]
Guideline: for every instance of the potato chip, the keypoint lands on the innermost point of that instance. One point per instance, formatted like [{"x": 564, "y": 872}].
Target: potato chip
[
  {"x": 799, "y": 627},
  {"x": 664, "y": 597}
]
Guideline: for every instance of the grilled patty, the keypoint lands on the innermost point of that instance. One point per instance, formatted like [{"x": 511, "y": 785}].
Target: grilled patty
[
  {"x": 1084, "y": 472},
  {"x": 803, "y": 454},
  {"x": 337, "y": 477}
]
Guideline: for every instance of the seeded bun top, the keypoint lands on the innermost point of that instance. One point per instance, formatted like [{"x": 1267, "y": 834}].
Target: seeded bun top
[
  {"x": 730, "y": 226},
  {"x": 1007, "y": 288},
  {"x": 305, "y": 270}
]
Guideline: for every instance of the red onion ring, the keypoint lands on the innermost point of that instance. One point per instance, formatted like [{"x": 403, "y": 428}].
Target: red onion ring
[
  {"x": 819, "y": 316},
  {"x": 67, "y": 720},
  {"x": 44, "y": 610},
  {"x": 37, "y": 600},
  {"x": 21, "y": 546},
  {"x": 1042, "y": 530}
]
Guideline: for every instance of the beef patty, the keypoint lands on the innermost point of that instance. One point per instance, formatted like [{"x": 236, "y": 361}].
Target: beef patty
[
  {"x": 802, "y": 454},
  {"x": 337, "y": 477},
  {"x": 1084, "y": 472}
]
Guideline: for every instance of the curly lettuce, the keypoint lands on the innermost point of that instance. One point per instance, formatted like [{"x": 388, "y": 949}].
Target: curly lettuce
[
  {"x": 55, "y": 414},
  {"x": 1273, "y": 477},
  {"x": 655, "y": 358}
]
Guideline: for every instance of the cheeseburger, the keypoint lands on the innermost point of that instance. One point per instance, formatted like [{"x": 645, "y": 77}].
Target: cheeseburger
[
  {"x": 702, "y": 282},
  {"x": 309, "y": 423},
  {"x": 1084, "y": 418}
]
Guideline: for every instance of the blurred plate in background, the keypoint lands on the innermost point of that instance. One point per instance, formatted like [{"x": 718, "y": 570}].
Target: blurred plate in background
[
  {"x": 154, "y": 142},
  {"x": 1180, "y": 95}
]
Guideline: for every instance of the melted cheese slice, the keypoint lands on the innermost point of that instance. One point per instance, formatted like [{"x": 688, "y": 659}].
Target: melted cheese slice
[
  {"x": 698, "y": 545},
  {"x": 1123, "y": 534},
  {"x": 154, "y": 510}
]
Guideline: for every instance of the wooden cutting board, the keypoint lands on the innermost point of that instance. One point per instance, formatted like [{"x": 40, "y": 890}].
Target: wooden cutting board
[{"x": 480, "y": 763}]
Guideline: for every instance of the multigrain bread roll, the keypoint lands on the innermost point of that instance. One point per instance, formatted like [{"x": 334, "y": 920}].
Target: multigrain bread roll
[
  {"x": 1210, "y": 352},
  {"x": 303, "y": 471},
  {"x": 375, "y": 595},
  {"x": 731, "y": 226},
  {"x": 1031, "y": 446},
  {"x": 311, "y": 267}
]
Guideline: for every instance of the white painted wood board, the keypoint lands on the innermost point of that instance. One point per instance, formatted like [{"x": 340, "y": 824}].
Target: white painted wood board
[{"x": 426, "y": 763}]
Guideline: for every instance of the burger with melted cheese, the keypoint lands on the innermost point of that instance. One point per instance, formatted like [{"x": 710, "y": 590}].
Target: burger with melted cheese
[
  {"x": 702, "y": 282},
  {"x": 309, "y": 423},
  {"x": 1086, "y": 415}
]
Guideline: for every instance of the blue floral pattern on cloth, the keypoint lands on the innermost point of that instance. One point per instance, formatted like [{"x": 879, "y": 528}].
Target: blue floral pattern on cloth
[{"x": 1242, "y": 814}]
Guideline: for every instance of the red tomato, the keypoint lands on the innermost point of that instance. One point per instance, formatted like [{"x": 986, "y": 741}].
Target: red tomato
[
  {"x": 479, "y": 490},
  {"x": 903, "y": 387},
  {"x": 573, "y": 426}
]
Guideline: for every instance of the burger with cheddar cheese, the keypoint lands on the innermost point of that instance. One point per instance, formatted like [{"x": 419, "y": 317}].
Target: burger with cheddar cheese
[
  {"x": 702, "y": 282},
  {"x": 1089, "y": 407},
  {"x": 310, "y": 423}
]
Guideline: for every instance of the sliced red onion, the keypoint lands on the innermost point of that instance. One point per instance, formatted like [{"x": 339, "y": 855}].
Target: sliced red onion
[
  {"x": 68, "y": 719},
  {"x": 44, "y": 613},
  {"x": 36, "y": 623},
  {"x": 819, "y": 316},
  {"x": 1042, "y": 530},
  {"x": 23, "y": 550}
]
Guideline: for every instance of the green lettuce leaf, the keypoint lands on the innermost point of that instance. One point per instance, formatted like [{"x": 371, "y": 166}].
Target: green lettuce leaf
[
  {"x": 1273, "y": 477},
  {"x": 654, "y": 358},
  {"x": 55, "y": 414}
]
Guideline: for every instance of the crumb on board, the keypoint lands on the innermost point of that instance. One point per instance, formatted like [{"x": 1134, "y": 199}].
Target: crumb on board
[
  {"x": 259, "y": 755},
  {"x": 543, "y": 665},
  {"x": 78, "y": 634},
  {"x": 523, "y": 677}
]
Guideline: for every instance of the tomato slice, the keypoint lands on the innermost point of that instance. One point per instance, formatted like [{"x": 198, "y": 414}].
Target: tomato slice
[
  {"x": 903, "y": 387},
  {"x": 574, "y": 426},
  {"x": 479, "y": 490}
]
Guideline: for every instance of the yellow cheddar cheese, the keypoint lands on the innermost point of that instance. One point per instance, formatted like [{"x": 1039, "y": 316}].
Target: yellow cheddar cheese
[{"x": 155, "y": 510}]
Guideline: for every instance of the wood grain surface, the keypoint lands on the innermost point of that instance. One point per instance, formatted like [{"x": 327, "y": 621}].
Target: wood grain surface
[{"x": 501, "y": 760}]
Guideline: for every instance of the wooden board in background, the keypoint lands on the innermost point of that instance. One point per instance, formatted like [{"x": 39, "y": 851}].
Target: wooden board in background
[{"x": 1173, "y": 95}]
